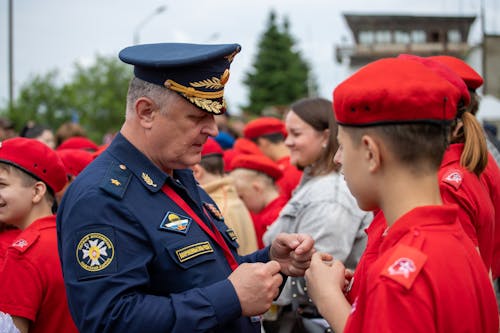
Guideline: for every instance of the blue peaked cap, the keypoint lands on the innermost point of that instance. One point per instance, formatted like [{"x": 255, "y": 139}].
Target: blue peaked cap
[{"x": 198, "y": 72}]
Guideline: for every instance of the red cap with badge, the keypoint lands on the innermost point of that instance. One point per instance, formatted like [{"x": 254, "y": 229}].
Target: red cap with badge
[
  {"x": 260, "y": 163},
  {"x": 263, "y": 126},
  {"x": 78, "y": 142},
  {"x": 211, "y": 147},
  {"x": 36, "y": 159},
  {"x": 395, "y": 91},
  {"x": 75, "y": 160},
  {"x": 471, "y": 78}
]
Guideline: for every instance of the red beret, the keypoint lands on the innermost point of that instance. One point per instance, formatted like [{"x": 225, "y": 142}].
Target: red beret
[
  {"x": 75, "y": 160},
  {"x": 78, "y": 142},
  {"x": 263, "y": 126},
  {"x": 260, "y": 163},
  {"x": 229, "y": 155},
  {"x": 35, "y": 158},
  {"x": 211, "y": 147},
  {"x": 471, "y": 78},
  {"x": 394, "y": 90},
  {"x": 445, "y": 72},
  {"x": 246, "y": 146}
]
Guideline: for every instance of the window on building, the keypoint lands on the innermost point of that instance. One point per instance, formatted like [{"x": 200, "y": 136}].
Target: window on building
[
  {"x": 366, "y": 37},
  {"x": 402, "y": 37},
  {"x": 418, "y": 36},
  {"x": 454, "y": 36},
  {"x": 383, "y": 36}
]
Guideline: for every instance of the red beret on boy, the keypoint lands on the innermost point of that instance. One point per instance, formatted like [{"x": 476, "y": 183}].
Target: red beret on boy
[
  {"x": 36, "y": 159},
  {"x": 471, "y": 78},
  {"x": 264, "y": 126},
  {"x": 392, "y": 91},
  {"x": 78, "y": 142},
  {"x": 211, "y": 147},
  {"x": 75, "y": 160},
  {"x": 246, "y": 146},
  {"x": 260, "y": 163}
]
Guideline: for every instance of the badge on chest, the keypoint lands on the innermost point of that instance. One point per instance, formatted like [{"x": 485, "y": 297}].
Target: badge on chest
[{"x": 175, "y": 222}]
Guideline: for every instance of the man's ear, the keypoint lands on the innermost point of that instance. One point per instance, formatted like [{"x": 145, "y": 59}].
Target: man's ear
[
  {"x": 372, "y": 153},
  {"x": 144, "y": 110}
]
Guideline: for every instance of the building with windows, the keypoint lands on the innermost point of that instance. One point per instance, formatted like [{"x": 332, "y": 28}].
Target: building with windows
[{"x": 379, "y": 36}]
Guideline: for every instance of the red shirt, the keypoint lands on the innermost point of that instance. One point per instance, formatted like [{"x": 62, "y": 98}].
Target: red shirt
[
  {"x": 6, "y": 238},
  {"x": 491, "y": 179},
  {"x": 374, "y": 234},
  {"x": 428, "y": 277},
  {"x": 263, "y": 219},
  {"x": 476, "y": 213},
  {"x": 290, "y": 179},
  {"x": 31, "y": 282}
]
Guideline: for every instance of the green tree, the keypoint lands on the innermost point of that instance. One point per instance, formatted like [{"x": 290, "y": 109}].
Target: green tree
[
  {"x": 95, "y": 95},
  {"x": 279, "y": 75}
]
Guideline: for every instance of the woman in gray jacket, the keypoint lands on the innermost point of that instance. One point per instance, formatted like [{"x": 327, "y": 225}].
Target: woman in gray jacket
[{"x": 321, "y": 205}]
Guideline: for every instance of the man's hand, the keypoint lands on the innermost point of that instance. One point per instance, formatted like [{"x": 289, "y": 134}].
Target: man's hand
[
  {"x": 256, "y": 285},
  {"x": 293, "y": 252}
]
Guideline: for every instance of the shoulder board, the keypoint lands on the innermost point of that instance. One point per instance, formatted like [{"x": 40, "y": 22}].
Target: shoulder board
[
  {"x": 116, "y": 180},
  {"x": 404, "y": 265},
  {"x": 25, "y": 240},
  {"x": 453, "y": 177}
]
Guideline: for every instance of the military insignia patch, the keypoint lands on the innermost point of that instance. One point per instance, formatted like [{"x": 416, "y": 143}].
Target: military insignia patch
[
  {"x": 95, "y": 252},
  {"x": 230, "y": 232},
  {"x": 214, "y": 211},
  {"x": 175, "y": 222},
  {"x": 193, "y": 250},
  {"x": 454, "y": 178}
]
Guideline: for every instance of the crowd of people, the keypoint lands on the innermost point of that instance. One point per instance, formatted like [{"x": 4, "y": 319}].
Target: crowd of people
[{"x": 376, "y": 211}]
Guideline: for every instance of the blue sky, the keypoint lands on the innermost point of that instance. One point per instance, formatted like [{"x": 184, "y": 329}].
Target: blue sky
[{"x": 54, "y": 34}]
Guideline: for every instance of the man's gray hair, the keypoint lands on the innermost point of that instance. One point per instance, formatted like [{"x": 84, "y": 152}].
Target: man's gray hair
[{"x": 139, "y": 88}]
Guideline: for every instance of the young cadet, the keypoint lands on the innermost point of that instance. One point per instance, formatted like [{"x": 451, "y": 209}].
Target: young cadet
[
  {"x": 269, "y": 134},
  {"x": 210, "y": 174},
  {"x": 255, "y": 179},
  {"x": 141, "y": 248},
  {"x": 31, "y": 281},
  {"x": 490, "y": 176},
  {"x": 394, "y": 119}
]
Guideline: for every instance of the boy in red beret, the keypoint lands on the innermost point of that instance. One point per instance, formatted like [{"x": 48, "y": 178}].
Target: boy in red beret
[
  {"x": 210, "y": 174},
  {"x": 255, "y": 179},
  {"x": 269, "y": 134},
  {"x": 394, "y": 117},
  {"x": 31, "y": 282}
]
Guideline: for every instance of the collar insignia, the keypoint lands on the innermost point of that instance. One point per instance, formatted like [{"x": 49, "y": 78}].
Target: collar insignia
[
  {"x": 214, "y": 211},
  {"x": 175, "y": 222},
  {"x": 148, "y": 179}
]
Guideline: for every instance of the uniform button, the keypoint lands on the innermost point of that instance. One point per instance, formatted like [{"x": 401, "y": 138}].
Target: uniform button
[
  {"x": 293, "y": 283},
  {"x": 123, "y": 167},
  {"x": 294, "y": 295},
  {"x": 305, "y": 288}
]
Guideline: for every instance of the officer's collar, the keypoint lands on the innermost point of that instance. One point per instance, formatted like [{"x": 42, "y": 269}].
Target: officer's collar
[{"x": 135, "y": 161}]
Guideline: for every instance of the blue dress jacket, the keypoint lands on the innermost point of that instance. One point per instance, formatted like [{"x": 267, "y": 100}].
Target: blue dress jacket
[{"x": 134, "y": 261}]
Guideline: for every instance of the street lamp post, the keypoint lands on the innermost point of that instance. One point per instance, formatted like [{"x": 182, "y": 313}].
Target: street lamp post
[
  {"x": 157, "y": 11},
  {"x": 11, "y": 57}
]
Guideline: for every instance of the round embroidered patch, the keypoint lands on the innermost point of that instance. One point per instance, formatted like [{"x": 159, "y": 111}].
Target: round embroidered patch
[{"x": 95, "y": 252}]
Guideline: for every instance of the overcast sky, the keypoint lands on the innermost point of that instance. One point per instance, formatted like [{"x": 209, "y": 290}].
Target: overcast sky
[{"x": 54, "y": 34}]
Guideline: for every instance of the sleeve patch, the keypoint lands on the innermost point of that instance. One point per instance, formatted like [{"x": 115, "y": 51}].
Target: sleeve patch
[
  {"x": 453, "y": 177},
  {"x": 95, "y": 253},
  {"x": 404, "y": 265}
]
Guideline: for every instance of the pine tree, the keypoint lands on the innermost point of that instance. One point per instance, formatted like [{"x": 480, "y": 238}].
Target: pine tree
[{"x": 279, "y": 75}]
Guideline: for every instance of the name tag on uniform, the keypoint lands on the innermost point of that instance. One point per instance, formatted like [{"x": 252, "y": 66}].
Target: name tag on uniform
[{"x": 193, "y": 250}]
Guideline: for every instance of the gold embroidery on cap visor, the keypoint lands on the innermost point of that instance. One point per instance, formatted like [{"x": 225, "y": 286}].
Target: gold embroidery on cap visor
[{"x": 211, "y": 101}]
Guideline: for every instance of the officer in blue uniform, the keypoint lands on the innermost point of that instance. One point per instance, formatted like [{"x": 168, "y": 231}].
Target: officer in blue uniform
[{"x": 143, "y": 247}]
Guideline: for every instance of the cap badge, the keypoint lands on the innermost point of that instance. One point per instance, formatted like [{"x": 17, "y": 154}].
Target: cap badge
[
  {"x": 175, "y": 222},
  {"x": 148, "y": 179},
  {"x": 95, "y": 252}
]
